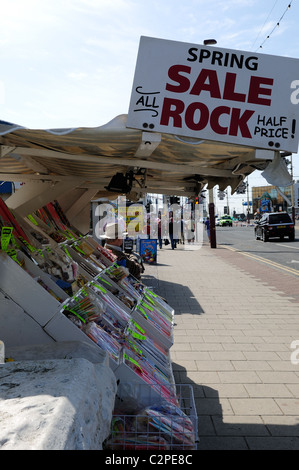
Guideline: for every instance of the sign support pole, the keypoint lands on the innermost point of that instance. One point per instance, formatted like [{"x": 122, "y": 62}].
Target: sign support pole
[{"x": 212, "y": 219}]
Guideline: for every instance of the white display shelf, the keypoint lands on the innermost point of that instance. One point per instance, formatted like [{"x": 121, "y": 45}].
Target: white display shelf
[
  {"x": 26, "y": 292},
  {"x": 108, "y": 300},
  {"x": 160, "y": 303},
  {"x": 48, "y": 311},
  {"x": 37, "y": 273},
  {"x": 148, "y": 344},
  {"x": 128, "y": 372},
  {"x": 89, "y": 270},
  {"x": 145, "y": 357},
  {"x": 116, "y": 290},
  {"x": 153, "y": 328},
  {"x": 17, "y": 328},
  {"x": 98, "y": 250},
  {"x": 60, "y": 328}
]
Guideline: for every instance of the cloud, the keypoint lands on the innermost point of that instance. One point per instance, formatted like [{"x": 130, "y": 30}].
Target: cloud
[{"x": 77, "y": 75}]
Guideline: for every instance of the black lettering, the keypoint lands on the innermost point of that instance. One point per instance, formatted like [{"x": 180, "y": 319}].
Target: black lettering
[
  {"x": 204, "y": 54},
  {"x": 261, "y": 120},
  {"x": 194, "y": 56},
  {"x": 249, "y": 64},
  {"x": 235, "y": 60},
  {"x": 279, "y": 133},
  {"x": 270, "y": 131},
  {"x": 226, "y": 59},
  {"x": 140, "y": 101},
  {"x": 216, "y": 57}
]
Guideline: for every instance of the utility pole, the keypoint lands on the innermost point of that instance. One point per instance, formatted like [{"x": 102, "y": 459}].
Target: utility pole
[
  {"x": 289, "y": 154},
  {"x": 247, "y": 200},
  {"x": 227, "y": 201},
  {"x": 292, "y": 192}
]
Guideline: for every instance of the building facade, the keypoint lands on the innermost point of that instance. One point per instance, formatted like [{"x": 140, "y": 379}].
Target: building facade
[{"x": 272, "y": 199}]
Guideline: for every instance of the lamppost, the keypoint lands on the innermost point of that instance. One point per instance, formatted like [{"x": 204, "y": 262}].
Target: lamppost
[
  {"x": 289, "y": 154},
  {"x": 212, "y": 219},
  {"x": 211, "y": 42},
  {"x": 292, "y": 192}
]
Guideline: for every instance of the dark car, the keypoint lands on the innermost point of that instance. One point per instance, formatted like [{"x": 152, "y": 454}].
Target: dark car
[{"x": 274, "y": 224}]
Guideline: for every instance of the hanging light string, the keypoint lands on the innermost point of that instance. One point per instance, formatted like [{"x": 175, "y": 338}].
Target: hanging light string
[
  {"x": 265, "y": 22},
  {"x": 276, "y": 26}
]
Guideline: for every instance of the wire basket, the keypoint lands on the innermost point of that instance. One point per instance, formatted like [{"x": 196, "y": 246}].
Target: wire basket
[{"x": 161, "y": 425}]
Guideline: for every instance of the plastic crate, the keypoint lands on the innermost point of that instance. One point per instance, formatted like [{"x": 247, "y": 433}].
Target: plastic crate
[{"x": 159, "y": 426}]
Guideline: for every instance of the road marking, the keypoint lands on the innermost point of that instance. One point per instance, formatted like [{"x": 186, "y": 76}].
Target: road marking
[
  {"x": 287, "y": 246},
  {"x": 264, "y": 260}
]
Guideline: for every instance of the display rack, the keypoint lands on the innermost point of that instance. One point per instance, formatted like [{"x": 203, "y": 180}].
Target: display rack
[
  {"x": 148, "y": 343},
  {"x": 73, "y": 288},
  {"x": 42, "y": 278},
  {"x": 157, "y": 423}
]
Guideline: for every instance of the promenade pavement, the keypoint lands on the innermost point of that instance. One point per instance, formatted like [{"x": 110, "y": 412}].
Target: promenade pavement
[{"x": 235, "y": 321}]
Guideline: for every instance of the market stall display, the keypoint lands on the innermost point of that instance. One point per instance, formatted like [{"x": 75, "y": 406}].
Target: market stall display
[
  {"x": 94, "y": 299},
  {"x": 153, "y": 424}
]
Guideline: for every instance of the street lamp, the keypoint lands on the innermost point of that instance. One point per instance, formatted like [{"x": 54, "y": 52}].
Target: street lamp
[
  {"x": 289, "y": 154},
  {"x": 210, "y": 42}
]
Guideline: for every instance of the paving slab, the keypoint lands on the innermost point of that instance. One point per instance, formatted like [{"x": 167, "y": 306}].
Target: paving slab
[{"x": 236, "y": 354}]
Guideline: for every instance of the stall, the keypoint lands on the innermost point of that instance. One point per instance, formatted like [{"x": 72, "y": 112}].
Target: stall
[
  {"x": 72, "y": 289},
  {"x": 198, "y": 117}
]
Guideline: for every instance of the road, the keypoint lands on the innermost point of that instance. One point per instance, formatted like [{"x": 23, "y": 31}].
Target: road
[{"x": 281, "y": 254}]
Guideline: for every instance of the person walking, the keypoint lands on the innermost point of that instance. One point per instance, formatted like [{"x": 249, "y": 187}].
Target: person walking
[
  {"x": 171, "y": 234},
  {"x": 207, "y": 225}
]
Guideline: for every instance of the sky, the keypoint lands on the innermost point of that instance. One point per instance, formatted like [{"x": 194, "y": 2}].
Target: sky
[{"x": 71, "y": 63}]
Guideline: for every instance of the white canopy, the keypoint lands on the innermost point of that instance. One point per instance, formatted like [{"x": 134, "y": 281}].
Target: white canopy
[{"x": 87, "y": 158}]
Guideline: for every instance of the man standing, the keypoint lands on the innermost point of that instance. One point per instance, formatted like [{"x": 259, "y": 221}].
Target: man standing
[{"x": 207, "y": 224}]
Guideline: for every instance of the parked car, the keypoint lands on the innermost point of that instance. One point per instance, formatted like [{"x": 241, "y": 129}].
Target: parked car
[
  {"x": 274, "y": 224},
  {"x": 226, "y": 220}
]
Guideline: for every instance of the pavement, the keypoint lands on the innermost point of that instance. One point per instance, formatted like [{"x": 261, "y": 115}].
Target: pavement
[{"x": 236, "y": 341}]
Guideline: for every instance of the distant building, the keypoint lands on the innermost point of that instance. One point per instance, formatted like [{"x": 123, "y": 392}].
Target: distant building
[{"x": 268, "y": 198}]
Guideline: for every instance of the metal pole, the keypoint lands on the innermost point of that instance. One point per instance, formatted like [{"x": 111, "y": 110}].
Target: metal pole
[
  {"x": 248, "y": 209},
  {"x": 292, "y": 192},
  {"x": 212, "y": 219},
  {"x": 227, "y": 201}
]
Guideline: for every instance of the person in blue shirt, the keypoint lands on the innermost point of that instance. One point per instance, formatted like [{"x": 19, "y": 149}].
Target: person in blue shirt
[{"x": 207, "y": 224}]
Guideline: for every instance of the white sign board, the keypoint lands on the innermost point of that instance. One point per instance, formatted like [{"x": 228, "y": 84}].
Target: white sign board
[{"x": 216, "y": 94}]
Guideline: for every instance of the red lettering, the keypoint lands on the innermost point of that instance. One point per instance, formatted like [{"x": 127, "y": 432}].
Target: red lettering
[
  {"x": 212, "y": 86},
  {"x": 255, "y": 90},
  {"x": 229, "y": 89},
  {"x": 214, "y": 120},
  {"x": 172, "y": 109},
  {"x": 207, "y": 80},
  {"x": 240, "y": 122},
  {"x": 197, "y": 117},
  {"x": 203, "y": 118},
  {"x": 183, "y": 82}
]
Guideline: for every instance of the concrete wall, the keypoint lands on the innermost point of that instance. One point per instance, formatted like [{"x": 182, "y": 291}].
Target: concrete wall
[{"x": 58, "y": 396}]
